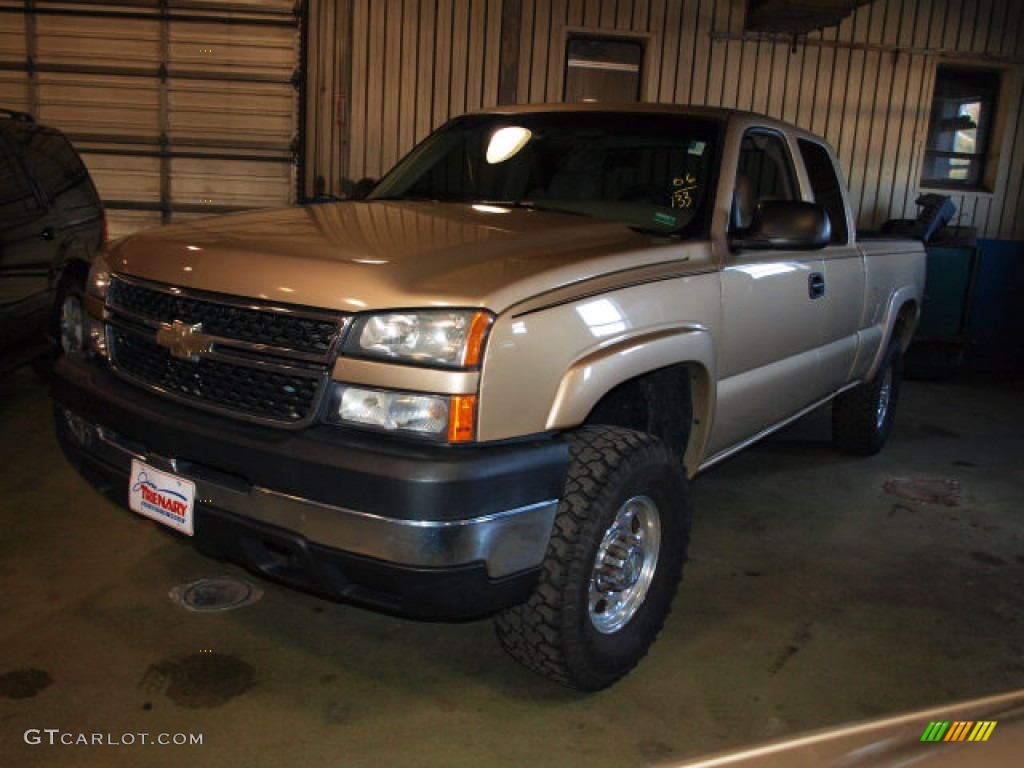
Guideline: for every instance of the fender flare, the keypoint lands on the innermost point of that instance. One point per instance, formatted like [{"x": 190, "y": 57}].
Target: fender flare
[
  {"x": 594, "y": 374},
  {"x": 900, "y": 298}
]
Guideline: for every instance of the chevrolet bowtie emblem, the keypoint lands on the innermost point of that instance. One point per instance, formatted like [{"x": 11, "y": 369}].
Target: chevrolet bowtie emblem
[{"x": 186, "y": 342}]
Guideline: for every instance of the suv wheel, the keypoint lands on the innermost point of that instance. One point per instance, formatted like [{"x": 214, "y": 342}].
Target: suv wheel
[
  {"x": 70, "y": 315},
  {"x": 613, "y": 563}
]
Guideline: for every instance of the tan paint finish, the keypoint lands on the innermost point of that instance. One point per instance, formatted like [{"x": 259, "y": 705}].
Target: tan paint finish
[
  {"x": 361, "y": 256},
  {"x": 381, "y": 373},
  {"x": 581, "y": 305},
  {"x": 592, "y": 342}
]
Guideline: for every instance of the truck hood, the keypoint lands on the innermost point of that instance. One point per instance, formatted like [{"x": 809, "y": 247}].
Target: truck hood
[{"x": 357, "y": 256}]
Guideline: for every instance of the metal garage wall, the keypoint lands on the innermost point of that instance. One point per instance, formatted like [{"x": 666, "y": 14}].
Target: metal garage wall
[
  {"x": 179, "y": 108},
  {"x": 414, "y": 64},
  {"x": 13, "y": 51},
  {"x": 190, "y": 106},
  {"x": 865, "y": 84},
  {"x": 411, "y": 65},
  {"x": 327, "y": 93}
]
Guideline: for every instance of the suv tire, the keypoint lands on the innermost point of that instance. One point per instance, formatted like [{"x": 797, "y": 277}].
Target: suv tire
[
  {"x": 862, "y": 417},
  {"x": 613, "y": 563}
]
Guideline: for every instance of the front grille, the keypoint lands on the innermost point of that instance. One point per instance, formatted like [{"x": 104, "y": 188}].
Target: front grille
[
  {"x": 256, "y": 325},
  {"x": 252, "y": 391},
  {"x": 267, "y": 363}
]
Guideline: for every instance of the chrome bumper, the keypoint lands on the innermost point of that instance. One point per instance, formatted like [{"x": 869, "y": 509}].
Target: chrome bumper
[{"x": 507, "y": 542}]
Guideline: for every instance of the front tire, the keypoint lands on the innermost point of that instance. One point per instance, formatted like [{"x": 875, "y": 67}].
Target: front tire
[
  {"x": 65, "y": 331},
  {"x": 863, "y": 417},
  {"x": 613, "y": 563}
]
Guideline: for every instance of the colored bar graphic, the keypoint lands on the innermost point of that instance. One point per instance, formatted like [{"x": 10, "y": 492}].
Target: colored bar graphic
[
  {"x": 982, "y": 730},
  {"x": 934, "y": 732},
  {"x": 959, "y": 730}
]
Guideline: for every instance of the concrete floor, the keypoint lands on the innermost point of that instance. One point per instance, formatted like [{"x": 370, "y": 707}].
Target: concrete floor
[{"x": 816, "y": 593}]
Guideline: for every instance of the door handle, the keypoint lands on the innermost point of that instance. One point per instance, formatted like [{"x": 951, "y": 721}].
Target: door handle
[{"x": 816, "y": 285}]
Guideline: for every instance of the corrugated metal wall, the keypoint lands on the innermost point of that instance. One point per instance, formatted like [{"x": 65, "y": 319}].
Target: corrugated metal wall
[
  {"x": 410, "y": 66},
  {"x": 179, "y": 107},
  {"x": 866, "y": 85}
]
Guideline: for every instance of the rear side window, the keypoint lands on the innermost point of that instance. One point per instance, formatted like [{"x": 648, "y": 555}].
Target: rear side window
[
  {"x": 55, "y": 165},
  {"x": 828, "y": 193},
  {"x": 17, "y": 200}
]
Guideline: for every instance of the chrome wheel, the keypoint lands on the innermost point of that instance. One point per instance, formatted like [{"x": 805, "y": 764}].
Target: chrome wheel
[
  {"x": 72, "y": 325},
  {"x": 625, "y": 564},
  {"x": 884, "y": 398}
]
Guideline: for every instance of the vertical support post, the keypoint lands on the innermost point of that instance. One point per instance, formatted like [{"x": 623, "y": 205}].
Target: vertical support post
[
  {"x": 163, "y": 116},
  {"x": 508, "y": 69},
  {"x": 31, "y": 56},
  {"x": 300, "y": 80}
]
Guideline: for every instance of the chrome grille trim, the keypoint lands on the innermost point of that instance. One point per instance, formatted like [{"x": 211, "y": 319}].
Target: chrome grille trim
[
  {"x": 194, "y": 301},
  {"x": 245, "y": 378}
]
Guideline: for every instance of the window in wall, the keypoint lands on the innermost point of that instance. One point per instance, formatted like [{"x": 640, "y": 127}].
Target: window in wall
[
  {"x": 960, "y": 128},
  {"x": 602, "y": 69}
]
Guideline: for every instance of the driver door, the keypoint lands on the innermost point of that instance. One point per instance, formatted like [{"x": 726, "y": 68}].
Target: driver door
[{"x": 773, "y": 311}]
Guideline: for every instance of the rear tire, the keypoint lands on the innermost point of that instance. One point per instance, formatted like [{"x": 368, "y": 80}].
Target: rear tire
[
  {"x": 613, "y": 563},
  {"x": 863, "y": 417}
]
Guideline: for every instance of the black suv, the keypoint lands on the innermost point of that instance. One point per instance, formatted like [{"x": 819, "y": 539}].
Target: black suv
[{"x": 51, "y": 225}]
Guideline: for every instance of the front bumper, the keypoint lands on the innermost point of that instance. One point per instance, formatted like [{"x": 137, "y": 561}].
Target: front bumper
[{"x": 418, "y": 529}]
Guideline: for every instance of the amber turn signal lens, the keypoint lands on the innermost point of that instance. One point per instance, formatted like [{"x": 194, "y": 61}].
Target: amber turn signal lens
[
  {"x": 478, "y": 328},
  {"x": 462, "y": 418}
]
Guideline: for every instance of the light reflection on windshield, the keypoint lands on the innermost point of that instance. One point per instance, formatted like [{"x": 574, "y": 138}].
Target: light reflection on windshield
[{"x": 506, "y": 142}]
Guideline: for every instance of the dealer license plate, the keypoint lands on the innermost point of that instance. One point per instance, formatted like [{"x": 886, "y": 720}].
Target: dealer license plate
[{"x": 164, "y": 497}]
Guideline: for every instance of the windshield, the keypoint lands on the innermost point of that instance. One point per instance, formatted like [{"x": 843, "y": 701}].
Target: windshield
[{"x": 650, "y": 171}]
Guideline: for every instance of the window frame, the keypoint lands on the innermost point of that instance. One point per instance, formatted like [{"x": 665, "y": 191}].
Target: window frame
[
  {"x": 649, "y": 43},
  {"x": 991, "y": 133},
  {"x": 624, "y": 67}
]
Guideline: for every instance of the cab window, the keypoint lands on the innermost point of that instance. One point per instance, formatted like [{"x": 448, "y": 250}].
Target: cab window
[
  {"x": 828, "y": 193},
  {"x": 764, "y": 172}
]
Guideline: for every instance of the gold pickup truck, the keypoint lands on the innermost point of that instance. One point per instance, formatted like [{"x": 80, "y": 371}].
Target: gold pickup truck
[{"x": 484, "y": 388}]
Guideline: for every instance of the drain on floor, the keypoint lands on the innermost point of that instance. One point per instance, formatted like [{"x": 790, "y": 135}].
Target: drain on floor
[
  {"x": 223, "y": 593},
  {"x": 941, "y": 491}
]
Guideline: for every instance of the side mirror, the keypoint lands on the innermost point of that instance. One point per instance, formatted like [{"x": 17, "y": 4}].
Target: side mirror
[
  {"x": 785, "y": 225},
  {"x": 362, "y": 189}
]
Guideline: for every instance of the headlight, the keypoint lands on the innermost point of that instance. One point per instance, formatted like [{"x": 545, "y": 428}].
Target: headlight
[
  {"x": 441, "y": 417},
  {"x": 96, "y": 286},
  {"x": 450, "y": 338},
  {"x": 99, "y": 278}
]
